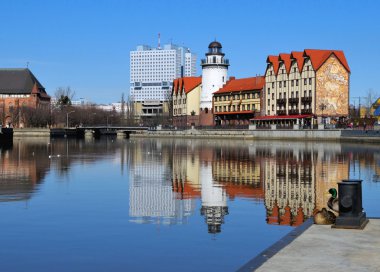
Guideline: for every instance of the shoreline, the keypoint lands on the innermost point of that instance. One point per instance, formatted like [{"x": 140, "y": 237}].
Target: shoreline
[{"x": 327, "y": 135}]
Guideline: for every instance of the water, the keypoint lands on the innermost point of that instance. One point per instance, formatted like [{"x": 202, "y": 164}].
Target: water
[{"x": 164, "y": 205}]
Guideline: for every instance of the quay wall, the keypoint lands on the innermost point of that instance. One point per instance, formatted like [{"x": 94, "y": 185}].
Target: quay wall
[
  {"x": 31, "y": 132},
  {"x": 304, "y": 135}
]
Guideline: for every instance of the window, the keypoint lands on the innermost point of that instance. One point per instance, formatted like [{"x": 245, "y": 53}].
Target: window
[
  {"x": 310, "y": 93},
  {"x": 297, "y": 94},
  {"x": 294, "y": 70},
  {"x": 272, "y": 84},
  {"x": 297, "y": 82},
  {"x": 248, "y": 107},
  {"x": 292, "y": 94},
  {"x": 304, "y": 93},
  {"x": 268, "y": 112},
  {"x": 268, "y": 90},
  {"x": 272, "y": 96},
  {"x": 268, "y": 101},
  {"x": 216, "y": 109},
  {"x": 305, "y": 81},
  {"x": 280, "y": 84},
  {"x": 307, "y": 68},
  {"x": 233, "y": 108},
  {"x": 225, "y": 108},
  {"x": 243, "y": 107},
  {"x": 280, "y": 95},
  {"x": 284, "y": 83},
  {"x": 272, "y": 107},
  {"x": 284, "y": 95},
  {"x": 253, "y": 107},
  {"x": 310, "y": 81},
  {"x": 292, "y": 83}
]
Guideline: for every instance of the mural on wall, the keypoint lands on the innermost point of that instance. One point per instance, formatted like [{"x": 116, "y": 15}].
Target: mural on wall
[{"x": 332, "y": 88}]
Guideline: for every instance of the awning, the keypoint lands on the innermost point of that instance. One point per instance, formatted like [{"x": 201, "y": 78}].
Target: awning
[
  {"x": 282, "y": 117},
  {"x": 233, "y": 112}
]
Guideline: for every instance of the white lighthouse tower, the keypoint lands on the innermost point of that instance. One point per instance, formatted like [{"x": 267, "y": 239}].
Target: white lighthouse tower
[{"x": 214, "y": 73}]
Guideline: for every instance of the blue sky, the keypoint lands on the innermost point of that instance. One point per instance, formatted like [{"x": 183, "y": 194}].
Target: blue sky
[{"x": 85, "y": 44}]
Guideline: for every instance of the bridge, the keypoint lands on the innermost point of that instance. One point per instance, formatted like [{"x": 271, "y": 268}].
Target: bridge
[{"x": 96, "y": 131}]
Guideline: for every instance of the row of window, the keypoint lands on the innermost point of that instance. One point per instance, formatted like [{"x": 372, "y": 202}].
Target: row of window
[
  {"x": 236, "y": 96},
  {"x": 294, "y": 70},
  {"x": 283, "y": 83},
  {"x": 234, "y": 108},
  {"x": 14, "y": 95},
  {"x": 179, "y": 101},
  {"x": 177, "y": 111},
  {"x": 292, "y": 95},
  {"x": 293, "y": 107}
]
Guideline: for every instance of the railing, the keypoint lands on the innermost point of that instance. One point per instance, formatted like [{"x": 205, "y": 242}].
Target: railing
[
  {"x": 293, "y": 100},
  {"x": 223, "y": 62},
  {"x": 307, "y": 99},
  {"x": 281, "y": 101},
  {"x": 294, "y": 112},
  {"x": 306, "y": 111}
]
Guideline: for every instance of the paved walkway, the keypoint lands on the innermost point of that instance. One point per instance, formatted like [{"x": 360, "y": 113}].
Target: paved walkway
[{"x": 321, "y": 248}]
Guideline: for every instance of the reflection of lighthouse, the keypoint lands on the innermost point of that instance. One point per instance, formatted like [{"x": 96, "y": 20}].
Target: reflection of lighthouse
[{"x": 214, "y": 200}]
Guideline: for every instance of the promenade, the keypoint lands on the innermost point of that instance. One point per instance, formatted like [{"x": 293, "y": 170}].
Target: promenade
[{"x": 321, "y": 248}]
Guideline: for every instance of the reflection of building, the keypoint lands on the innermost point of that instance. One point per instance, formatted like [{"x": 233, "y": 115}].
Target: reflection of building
[
  {"x": 22, "y": 168},
  {"x": 301, "y": 85},
  {"x": 152, "y": 199}
]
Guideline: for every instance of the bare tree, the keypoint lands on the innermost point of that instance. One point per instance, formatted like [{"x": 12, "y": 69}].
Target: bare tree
[
  {"x": 370, "y": 97},
  {"x": 64, "y": 96}
]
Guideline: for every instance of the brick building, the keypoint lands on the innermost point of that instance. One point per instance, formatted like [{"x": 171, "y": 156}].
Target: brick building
[{"x": 20, "y": 89}]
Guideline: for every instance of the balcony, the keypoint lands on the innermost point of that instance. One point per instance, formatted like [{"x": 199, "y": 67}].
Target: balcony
[
  {"x": 293, "y": 100},
  {"x": 223, "y": 62},
  {"x": 294, "y": 112},
  {"x": 306, "y": 111},
  {"x": 281, "y": 112},
  {"x": 306, "y": 99},
  {"x": 281, "y": 101}
]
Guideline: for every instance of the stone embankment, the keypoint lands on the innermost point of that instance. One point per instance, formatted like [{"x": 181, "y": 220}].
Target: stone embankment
[
  {"x": 308, "y": 135},
  {"x": 31, "y": 132}
]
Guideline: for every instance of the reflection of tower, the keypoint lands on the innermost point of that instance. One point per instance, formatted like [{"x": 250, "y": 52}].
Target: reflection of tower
[
  {"x": 214, "y": 73},
  {"x": 214, "y": 200}
]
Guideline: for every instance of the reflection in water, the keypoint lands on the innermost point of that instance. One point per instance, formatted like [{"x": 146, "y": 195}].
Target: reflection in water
[{"x": 167, "y": 178}]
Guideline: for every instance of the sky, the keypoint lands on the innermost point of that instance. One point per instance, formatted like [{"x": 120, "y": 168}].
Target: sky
[{"x": 85, "y": 44}]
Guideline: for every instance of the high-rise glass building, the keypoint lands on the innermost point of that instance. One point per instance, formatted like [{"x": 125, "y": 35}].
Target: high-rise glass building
[{"x": 152, "y": 70}]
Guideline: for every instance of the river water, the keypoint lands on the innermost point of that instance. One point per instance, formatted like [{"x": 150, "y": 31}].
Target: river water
[{"x": 165, "y": 205}]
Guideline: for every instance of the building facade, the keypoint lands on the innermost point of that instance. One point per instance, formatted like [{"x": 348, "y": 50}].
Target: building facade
[
  {"x": 306, "y": 88},
  {"x": 186, "y": 100},
  {"x": 238, "y": 101},
  {"x": 152, "y": 71},
  {"x": 20, "y": 90}
]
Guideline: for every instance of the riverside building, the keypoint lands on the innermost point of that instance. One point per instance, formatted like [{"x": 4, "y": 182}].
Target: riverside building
[
  {"x": 305, "y": 88},
  {"x": 152, "y": 71},
  {"x": 20, "y": 90},
  {"x": 238, "y": 101}
]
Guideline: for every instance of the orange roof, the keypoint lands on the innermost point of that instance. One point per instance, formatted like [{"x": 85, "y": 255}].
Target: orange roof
[
  {"x": 286, "y": 59},
  {"x": 242, "y": 84},
  {"x": 274, "y": 61},
  {"x": 298, "y": 56},
  {"x": 186, "y": 83},
  {"x": 318, "y": 57}
]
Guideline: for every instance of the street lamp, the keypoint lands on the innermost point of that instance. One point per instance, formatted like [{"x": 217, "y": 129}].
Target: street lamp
[
  {"x": 107, "y": 119},
  {"x": 67, "y": 118}
]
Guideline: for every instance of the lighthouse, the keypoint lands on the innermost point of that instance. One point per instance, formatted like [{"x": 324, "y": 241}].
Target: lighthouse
[{"x": 214, "y": 74}]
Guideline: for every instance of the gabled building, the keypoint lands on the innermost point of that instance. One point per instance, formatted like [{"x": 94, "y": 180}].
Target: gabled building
[
  {"x": 306, "y": 88},
  {"x": 238, "y": 101},
  {"x": 20, "y": 89},
  {"x": 186, "y": 94}
]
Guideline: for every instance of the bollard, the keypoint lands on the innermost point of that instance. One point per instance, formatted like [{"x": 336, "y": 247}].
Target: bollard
[{"x": 351, "y": 215}]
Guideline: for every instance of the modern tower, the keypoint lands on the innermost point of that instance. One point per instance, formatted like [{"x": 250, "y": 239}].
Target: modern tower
[
  {"x": 152, "y": 70},
  {"x": 214, "y": 73}
]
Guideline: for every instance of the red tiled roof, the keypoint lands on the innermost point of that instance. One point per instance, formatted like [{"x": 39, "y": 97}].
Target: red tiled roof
[
  {"x": 274, "y": 117},
  {"x": 233, "y": 112},
  {"x": 274, "y": 61},
  {"x": 188, "y": 83},
  {"x": 318, "y": 57},
  {"x": 298, "y": 56},
  {"x": 242, "y": 84},
  {"x": 286, "y": 59}
]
